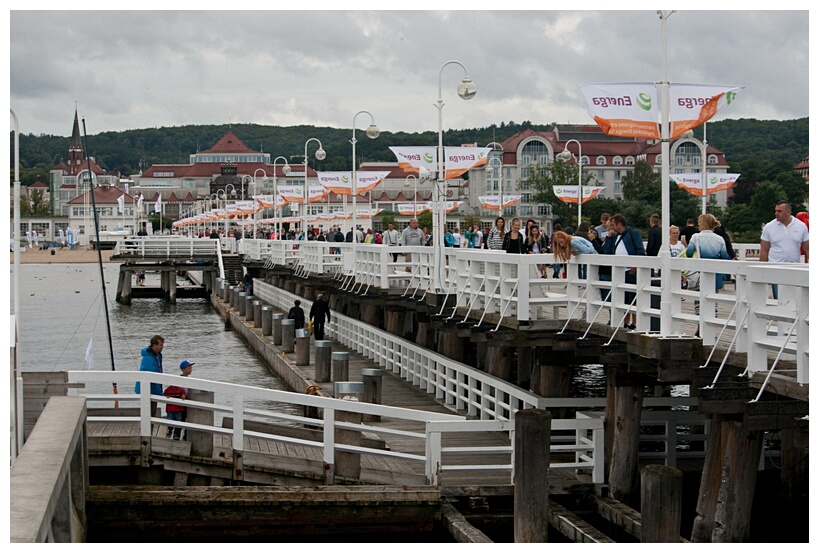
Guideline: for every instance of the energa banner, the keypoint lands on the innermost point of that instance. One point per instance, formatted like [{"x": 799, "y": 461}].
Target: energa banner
[
  {"x": 292, "y": 194},
  {"x": 715, "y": 182},
  {"x": 633, "y": 109},
  {"x": 624, "y": 109},
  {"x": 491, "y": 202},
  {"x": 411, "y": 209},
  {"x": 316, "y": 193},
  {"x": 694, "y": 104},
  {"x": 339, "y": 182},
  {"x": 568, "y": 194},
  {"x": 449, "y": 207},
  {"x": 411, "y": 158},
  {"x": 266, "y": 202},
  {"x": 369, "y": 180},
  {"x": 457, "y": 159}
]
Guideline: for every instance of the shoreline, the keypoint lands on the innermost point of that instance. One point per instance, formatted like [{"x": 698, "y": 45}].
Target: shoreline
[{"x": 64, "y": 256}]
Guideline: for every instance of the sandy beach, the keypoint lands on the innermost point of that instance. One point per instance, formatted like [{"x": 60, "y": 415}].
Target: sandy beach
[{"x": 79, "y": 255}]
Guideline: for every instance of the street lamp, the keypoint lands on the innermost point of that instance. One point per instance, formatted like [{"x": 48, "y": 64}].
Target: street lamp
[
  {"x": 372, "y": 133},
  {"x": 320, "y": 154},
  {"x": 703, "y": 146},
  {"x": 467, "y": 91},
  {"x": 565, "y": 156},
  {"x": 286, "y": 171},
  {"x": 253, "y": 200},
  {"x": 491, "y": 171},
  {"x": 224, "y": 193},
  {"x": 414, "y": 193}
]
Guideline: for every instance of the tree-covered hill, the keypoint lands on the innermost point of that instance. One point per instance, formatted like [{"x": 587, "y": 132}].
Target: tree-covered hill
[{"x": 758, "y": 149}]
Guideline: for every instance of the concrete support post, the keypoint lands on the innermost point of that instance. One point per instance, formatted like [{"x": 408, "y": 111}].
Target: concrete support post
[
  {"x": 348, "y": 465},
  {"x": 257, "y": 313},
  {"x": 324, "y": 350},
  {"x": 242, "y": 304},
  {"x": 302, "y": 347},
  {"x": 126, "y": 288},
  {"x": 288, "y": 341},
  {"x": 172, "y": 287},
  {"x": 267, "y": 321},
  {"x": 341, "y": 366},
  {"x": 372, "y": 380},
  {"x": 276, "y": 328}
]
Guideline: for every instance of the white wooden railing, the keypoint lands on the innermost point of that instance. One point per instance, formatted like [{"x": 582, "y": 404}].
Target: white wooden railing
[
  {"x": 589, "y": 449},
  {"x": 166, "y": 247}
]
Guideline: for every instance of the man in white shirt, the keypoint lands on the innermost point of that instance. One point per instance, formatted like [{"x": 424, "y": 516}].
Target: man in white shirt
[
  {"x": 390, "y": 238},
  {"x": 478, "y": 239},
  {"x": 456, "y": 237},
  {"x": 783, "y": 239}
]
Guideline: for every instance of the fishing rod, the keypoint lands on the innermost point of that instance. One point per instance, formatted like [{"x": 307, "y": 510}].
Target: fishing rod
[{"x": 99, "y": 249}]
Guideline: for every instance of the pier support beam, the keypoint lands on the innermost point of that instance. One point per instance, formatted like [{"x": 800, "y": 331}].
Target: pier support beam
[
  {"x": 171, "y": 286},
  {"x": 728, "y": 484},
  {"x": 499, "y": 361},
  {"x": 126, "y": 287},
  {"x": 533, "y": 434},
  {"x": 624, "y": 470},
  {"x": 661, "y": 504}
]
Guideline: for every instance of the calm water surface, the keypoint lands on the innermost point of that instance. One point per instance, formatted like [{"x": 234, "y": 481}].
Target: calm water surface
[{"x": 61, "y": 310}]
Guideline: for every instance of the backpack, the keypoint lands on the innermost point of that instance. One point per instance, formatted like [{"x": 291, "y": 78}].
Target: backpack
[
  {"x": 378, "y": 238},
  {"x": 449, "y": 240}
]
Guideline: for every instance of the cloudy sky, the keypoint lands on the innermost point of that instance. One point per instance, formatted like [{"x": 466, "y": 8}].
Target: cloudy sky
[{"x": 137, "y": 69}]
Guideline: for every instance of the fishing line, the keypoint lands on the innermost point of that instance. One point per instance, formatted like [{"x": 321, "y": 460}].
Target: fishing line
[{"x": 71, "y": 339}]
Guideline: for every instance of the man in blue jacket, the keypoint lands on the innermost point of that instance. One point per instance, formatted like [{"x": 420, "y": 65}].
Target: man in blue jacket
[
  {"x": 152, "y": 362},
  {"x": 626, "y": 241}
]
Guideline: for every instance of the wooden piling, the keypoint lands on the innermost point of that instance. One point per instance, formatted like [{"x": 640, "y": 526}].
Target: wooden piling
[
  {"x": 660, "y": 504},
  {"x": 742, "y": 448},
  {"x": 324, "y": 350},
  {"x": 624, "y": 474},
  {"x": 499, "y": 361},
  {"x": 341, "y": 366},
  {"x": 533, "y": 431},
  {"x": 372, "y": 379},
  {"x": 171, "y": 287},
  {"x": 276, "y": 328},
  {"x": 302, "y": 347}
]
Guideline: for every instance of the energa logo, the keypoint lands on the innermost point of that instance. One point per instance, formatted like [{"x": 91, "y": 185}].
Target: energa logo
[
  {"x": 428, "y": 158},
  {"x": 644, "y": 101}
]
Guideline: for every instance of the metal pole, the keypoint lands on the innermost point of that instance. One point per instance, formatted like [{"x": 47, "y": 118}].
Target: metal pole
[
  {"x": 665, "y": 253},
  {"x": 704, "y": 169}
]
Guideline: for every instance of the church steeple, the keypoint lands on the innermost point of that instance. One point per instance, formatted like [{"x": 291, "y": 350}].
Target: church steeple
[{"x": 75, "y": 147}]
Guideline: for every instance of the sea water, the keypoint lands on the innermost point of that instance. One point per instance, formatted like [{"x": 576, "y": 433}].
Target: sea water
[{"x": 61, "y": 311}]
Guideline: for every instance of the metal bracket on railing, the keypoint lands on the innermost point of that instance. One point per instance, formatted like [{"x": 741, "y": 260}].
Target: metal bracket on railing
[
  {"x": 727, "y": 353},
  {"x": 623, "y": 319},
  {"x": 474, "y": 298},
  {"x": 775, "y": 362},
  {"x": 569, "y": 318},
  {"x": 508, "y": 303},
  {"x": 489, "y": 300}
]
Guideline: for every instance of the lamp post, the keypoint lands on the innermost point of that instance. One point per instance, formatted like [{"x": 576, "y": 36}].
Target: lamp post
[
  {"x": 224, "y": 193},
  {"x": 703, "y": 147},
  {"x": 466, "y": 90},
  {"x": 414, "y": 193},
  {"x": 490, "y": 172},
  {"x": 665, "y": 253},
  {"x": 320, "y": 154},
  {"x": 286, "y": 171},
  {"x": 565, "y": 156},
  {"x": 372, "y": 133},
  {"x": 17, "y": 433}
]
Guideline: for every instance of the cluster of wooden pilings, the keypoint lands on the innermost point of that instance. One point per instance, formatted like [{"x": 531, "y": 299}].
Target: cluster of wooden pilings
[
  {"x": 127, "y": 288},
  {"x": 539, "y": 358}
]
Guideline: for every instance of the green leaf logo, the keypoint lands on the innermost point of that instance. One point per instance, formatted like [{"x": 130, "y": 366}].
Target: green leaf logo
[
  {"x": 729, "y": 97},
  {"x": 644, "y": 101},
  {"x": 428, "y": 158},
  {"x": 714, "y": 180},
  {"x": 558, "y": 191},
  {"x": 345, "y": 179}
]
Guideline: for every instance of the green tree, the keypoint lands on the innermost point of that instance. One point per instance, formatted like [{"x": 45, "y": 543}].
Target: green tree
[
  {"x": 473, "y": 221},
  {"x": 425, "y": 220},
  {"x": 35, "y": 205},
  {"x": 543, "y": 178},
  {"x": 764, "y": 199}
]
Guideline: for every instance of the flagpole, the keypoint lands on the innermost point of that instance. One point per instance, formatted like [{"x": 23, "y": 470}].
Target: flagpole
[
  {"x": 665, "y": 252},
  {"x": 99, "y": 250},
  {"x": 704, "y": 169}
]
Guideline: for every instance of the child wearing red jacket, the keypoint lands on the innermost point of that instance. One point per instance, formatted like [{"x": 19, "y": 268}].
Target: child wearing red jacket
[{"x": 177, "y": 412}]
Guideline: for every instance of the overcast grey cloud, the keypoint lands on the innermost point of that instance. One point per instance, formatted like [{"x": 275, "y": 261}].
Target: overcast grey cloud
[{"x": 136, "y": 69}]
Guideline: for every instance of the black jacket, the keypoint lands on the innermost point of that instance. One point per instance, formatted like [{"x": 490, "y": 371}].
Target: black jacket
[
  {"x": 297, "y": 314},
  {"x": 320, "y": 310}
]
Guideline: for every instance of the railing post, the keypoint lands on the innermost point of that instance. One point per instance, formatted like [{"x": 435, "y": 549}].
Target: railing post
[{"x": 433, "y": 455}]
